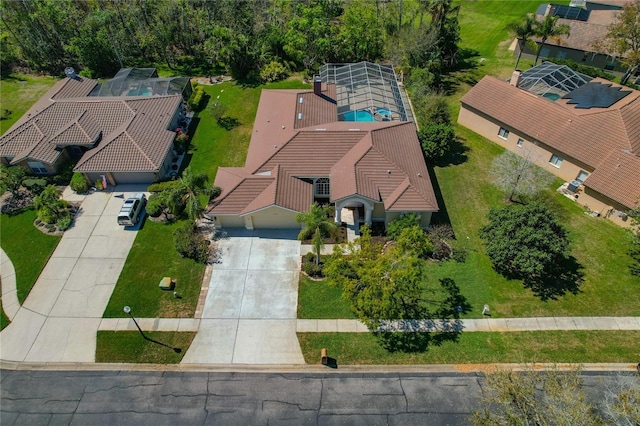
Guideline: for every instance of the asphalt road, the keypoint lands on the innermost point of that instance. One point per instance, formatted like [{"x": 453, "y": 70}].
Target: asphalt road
[{"x": 190, "y": 398}]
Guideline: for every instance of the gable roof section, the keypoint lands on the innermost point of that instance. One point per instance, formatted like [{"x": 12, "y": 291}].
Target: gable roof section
[
  {"x": 618, "y": 177},
  {"x": 586, "y": 135}
]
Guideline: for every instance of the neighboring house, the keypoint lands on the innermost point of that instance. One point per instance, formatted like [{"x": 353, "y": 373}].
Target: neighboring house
[
  {"x": 585, "y": 131},
  {"x": 587, "y": 25},
  {"x": 347, "y": 142},
  {"x": 126, "y": 139}
]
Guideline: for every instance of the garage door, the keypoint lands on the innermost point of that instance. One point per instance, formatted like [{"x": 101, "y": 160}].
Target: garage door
[
  {"x": 274, "y": 217},
  {"x": 133, "y": 177}
]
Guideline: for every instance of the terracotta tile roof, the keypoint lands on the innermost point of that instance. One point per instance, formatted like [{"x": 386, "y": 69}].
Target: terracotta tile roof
[
  {"x": 315, "y": 110},
  {"x": 587, "y": 135},
  {"x": 618, "y": 177},
  {"x": 132, "y": 132},
  {"x": 356, "y": 156}
]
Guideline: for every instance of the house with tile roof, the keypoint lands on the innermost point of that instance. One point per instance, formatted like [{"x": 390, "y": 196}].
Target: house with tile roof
[
  {"x": 346, "y": 142},
  {"x": 588, "y": 23},
  {"x": 126, "y": 139},
  {"x": 587, "y": 132}
]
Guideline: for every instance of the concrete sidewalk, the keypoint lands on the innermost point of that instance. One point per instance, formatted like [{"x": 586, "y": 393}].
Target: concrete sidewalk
[{"x": 471, "y": 325}]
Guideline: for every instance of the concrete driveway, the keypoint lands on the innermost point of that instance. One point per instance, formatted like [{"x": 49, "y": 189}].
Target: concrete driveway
[
  {"x": 249, "y": 315},
  {"x": 59, "y": 319}
]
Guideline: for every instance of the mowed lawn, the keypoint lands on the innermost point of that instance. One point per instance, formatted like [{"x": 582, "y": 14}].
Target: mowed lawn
[
  {"x": 213, "y": 146},
  {"x": 18, "y": 92},
  {"x": 476, "y": 347},
  {"x": 27, "y": 247},
  {"x": 152, "y": 257}
]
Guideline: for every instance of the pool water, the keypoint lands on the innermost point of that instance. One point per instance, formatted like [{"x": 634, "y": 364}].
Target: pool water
[
  {"x": 383, "y": 111},
  {"x": 361, "y": 115}
]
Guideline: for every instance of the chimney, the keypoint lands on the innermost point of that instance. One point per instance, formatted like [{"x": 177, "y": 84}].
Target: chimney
[
  {"x": 71, "y": 73},
  {"x": 317, "y": 85},
  {"x": 515, "y": 78}
]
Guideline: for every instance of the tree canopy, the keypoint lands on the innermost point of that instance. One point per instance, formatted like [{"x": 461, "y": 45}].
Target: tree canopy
[
  {"x": 239, "y": 37},
  {"x": 623, "y": 39},
  {"x": 316, "y": 225},
  {"x": 524, "y": 242},
  {"x": 549, "y": 28}
]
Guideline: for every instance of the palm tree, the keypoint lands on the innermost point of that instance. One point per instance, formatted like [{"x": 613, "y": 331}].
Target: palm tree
[
  {"x": 185, "y": 196},
  {"x": 317, "y": 224},
  {"x": 522, "y": 30},
  {"x": 549, "y": 28}
]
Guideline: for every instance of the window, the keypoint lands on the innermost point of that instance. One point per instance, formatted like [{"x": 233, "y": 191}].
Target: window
[
  {"x": 322, "y": 186},
  {"x": 503, "y": 133},
  {"x": 520, "y": 142},
  {"x": 556, "y": 160},
  {"x": 37, "y": 167},
  {"x": 582, "y": 176}
]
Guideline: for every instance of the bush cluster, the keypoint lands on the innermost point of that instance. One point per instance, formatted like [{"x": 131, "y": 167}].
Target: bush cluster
[
  {"x": 273, "y": 71},
  {"x": 190, "y": 243},
  {"x": 163, "y": 186},
  {"x": 78, "y": 183},
  {"x": 198, "y": 99}
]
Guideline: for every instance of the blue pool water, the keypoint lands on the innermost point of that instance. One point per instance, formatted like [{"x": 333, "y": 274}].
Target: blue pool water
[
  {"x": 383, "y": 111},
  {"x": 361, "y": 115}
]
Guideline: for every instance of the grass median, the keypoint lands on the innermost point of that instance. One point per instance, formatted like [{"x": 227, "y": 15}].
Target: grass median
[
  {"x": 130, "y": 347},
  {"x": 479, "y": 347}
]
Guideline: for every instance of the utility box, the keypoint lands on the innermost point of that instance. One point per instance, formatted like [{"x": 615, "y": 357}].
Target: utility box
[
  {"x": 167, "y": 283},
  {"x": 574, "y": 185}
]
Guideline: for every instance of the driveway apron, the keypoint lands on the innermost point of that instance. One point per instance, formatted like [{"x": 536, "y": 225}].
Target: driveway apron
[
  {"x": 249, "y": 315},
  {"x": 59, "y": 319}
]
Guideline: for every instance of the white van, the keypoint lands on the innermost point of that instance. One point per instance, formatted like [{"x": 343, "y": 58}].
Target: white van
[{"x": 131, "y": 210}]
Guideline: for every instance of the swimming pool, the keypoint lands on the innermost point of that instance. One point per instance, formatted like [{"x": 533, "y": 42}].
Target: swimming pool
[
  {"x": 361, "y": 115},
  {"x": 383, "y": 111}
]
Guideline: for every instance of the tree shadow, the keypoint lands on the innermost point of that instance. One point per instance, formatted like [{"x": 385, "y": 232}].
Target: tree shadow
[
  {"x": 5, "y": 76},
  {"x": 565, "y": 276},
  {"x": 411, "y": 336},
  {"x": 441, "y": 216},
  {"x": 456, "y": 155}
]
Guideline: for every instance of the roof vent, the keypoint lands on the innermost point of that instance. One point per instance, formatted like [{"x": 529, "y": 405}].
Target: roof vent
[
  {"x": 301, "y": 100},
  {"x": 299, "y": 116},
  {"x": 71, "y": 73},
  {"x": 283, "y": 126}
]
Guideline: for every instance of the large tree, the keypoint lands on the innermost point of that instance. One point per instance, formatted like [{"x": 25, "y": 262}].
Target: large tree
[
  {"x": 518, "y": 175},
  {"x": 525, "y": 241},
  {"x": 531, "y": 397},
  {"x": 623, "y": 39},
  {"x": 317, "y": 225},
  {"x": 523, "y": 30},
  {"x": 549, "y": 28},
  {"x": 436, "y": 140}
]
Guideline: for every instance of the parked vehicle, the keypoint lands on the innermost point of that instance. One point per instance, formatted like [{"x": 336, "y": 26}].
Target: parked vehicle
[{"x": 131, "y": 210}]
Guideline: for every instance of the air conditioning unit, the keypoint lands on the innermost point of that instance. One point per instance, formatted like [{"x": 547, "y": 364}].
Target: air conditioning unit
[{"x": 574, "y": 185}]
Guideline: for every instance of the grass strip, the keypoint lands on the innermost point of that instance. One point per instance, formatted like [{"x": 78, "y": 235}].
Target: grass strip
[
  {"x": 317, "y": 299},
  {"x": 478, "y": 347},
  {"x": 130, "y": 347}
]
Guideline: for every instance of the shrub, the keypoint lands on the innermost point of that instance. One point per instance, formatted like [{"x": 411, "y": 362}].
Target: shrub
[
  {"x": 11, "y": 178},
  {"x": 440, "y": 232},
  {"x": 228, "y": 123},
  {"x": 414, "y": 240},
  {"x": 313, "y": 270},
  {"x": 190, "y": 243},
  {"x": 273, "y": 71},
  {"x": 436, "y": 139},
  {"x": 163, "y": 186},
  {"x": 79, "y": 184},
  {"x": 310, "y": 257},
  {"x": 394, "y": 229},
  {"x": 215, "y": 192},
  {"x": 99, "y": 185},
  {"x": 155, "y": 205},
  {"x": 64, "y": 175},
  {"x": 181, "y": 142},
  {"x": 198, "y": 99},
  {"x": 35, "y": 185},
  {"x": 64, "y": 222}
]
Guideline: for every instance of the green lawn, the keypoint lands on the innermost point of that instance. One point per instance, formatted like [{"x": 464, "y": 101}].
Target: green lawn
[
  {"x": 152, "y": 257},
  {"x": 475, "y": 347},
  {"x": 211, "y": 145},
  {"x": 27, "y": 247},
  {"x": 317, "y": 299},
  {"x": 130, "y": 347},
  {"x": 19, "y": 92}
]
